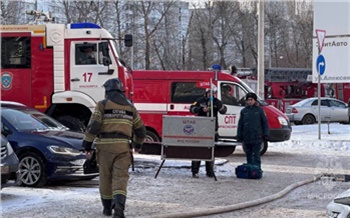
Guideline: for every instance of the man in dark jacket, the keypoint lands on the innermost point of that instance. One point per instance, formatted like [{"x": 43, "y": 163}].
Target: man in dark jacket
[
  {"x": 202, "y": 107},
  {"x": 253, "y": 128},
  {"x": 114, "y": 122}
]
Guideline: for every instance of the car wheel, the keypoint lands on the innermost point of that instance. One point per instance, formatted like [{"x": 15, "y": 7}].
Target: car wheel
[
  {"x": 32, "y": 171},
  {"x": 72, "y": 123},
  {"x": 308, "y": 119},
  {"x": 264, "y": 147},
  {"x": 297, "y": 123},
  {"x": 151, "y": 137}
]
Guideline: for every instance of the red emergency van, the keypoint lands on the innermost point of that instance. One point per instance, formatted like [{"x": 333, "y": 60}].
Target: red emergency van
[{"x": 159, "y": 93}]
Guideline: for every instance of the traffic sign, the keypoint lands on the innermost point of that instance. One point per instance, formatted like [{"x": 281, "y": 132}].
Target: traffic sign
[
  {"x": 321, "y": 35},
  {"x": 320, "y": 64}
]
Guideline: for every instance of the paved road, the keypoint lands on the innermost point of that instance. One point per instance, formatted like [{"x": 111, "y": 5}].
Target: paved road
[{"x": 174, "y": 191}]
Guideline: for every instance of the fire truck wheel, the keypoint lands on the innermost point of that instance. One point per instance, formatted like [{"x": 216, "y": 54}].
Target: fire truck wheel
[
  {"x": 308, "y": 119},
  {"x": 151, "y": 137},
  {"x": 72, "y": 123}
]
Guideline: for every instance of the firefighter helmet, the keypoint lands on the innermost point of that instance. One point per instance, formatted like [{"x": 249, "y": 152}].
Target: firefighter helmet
[{"x": 114, "y": 84}]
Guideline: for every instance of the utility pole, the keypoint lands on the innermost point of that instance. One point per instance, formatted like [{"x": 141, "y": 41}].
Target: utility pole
[
  {"x": 132, "y": 33},
  {"x": 261, "y": 36}
]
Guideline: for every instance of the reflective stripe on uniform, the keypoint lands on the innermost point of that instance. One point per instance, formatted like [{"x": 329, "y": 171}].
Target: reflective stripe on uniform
[{"x": 111, "y": 141}]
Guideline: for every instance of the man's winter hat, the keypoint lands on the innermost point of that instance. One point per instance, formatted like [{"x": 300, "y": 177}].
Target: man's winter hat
[{"x": 251, "y": 95}]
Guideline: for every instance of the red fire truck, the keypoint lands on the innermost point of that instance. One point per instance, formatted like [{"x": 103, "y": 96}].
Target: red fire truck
[
  {"x": 342, "y": 91},
  {"x": 60, "y": 69},
  {"x": 159, "y": 93},
  {"x": 283, "y": 86}
]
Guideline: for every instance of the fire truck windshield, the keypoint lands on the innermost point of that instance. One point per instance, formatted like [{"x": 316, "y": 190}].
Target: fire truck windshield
[{"x": 114, "y": 47}]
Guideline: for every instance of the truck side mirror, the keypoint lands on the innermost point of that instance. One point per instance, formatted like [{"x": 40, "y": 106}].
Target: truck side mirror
[{"x": 128, "y": 40}]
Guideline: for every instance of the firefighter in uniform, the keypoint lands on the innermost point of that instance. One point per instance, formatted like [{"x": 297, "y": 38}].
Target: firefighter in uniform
[
  {"x": 114, "y": 122},
  {"x": 201, "y": 107}
]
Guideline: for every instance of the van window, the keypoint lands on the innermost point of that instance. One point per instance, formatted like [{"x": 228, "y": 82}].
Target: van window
[
  {"x": 185, "y": 92},
  {"x": 232, "y": 94},
  {"x": 15, "y": 52}
]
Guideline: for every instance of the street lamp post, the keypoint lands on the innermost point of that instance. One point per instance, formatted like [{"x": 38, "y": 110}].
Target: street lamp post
[{"x": 261, "y": 35}]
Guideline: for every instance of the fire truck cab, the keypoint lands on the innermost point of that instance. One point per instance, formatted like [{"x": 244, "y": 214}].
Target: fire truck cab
[
  {"x": 60, "y": 69},
  {"x": 159, "y": 93}
]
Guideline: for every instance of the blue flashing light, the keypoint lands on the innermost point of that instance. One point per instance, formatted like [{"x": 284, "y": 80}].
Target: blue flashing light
[
  {"x": 84, "y": 26},
  {"x": 216, "y": 67}
]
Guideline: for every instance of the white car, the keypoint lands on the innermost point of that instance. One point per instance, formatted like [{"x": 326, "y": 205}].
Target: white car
[
  {"x": 306, "y": 111},
  {"x": 339, "y": 207}
]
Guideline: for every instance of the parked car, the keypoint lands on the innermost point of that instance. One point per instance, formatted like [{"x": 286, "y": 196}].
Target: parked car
[
  {"x": 9, "y": 162},
  {"x": 46, "y": 149},
  {"x": 306, "y": 111},
  {"x": 340, "y": 206}
]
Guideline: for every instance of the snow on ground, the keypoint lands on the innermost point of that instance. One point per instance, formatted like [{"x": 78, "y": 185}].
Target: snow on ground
[
  {"x": 175, "y": 192},
  {"x": 334, "y": 137}
]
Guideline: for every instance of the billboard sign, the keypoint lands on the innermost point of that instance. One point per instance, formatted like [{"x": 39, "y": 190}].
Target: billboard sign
[{"x": 331, "y": 41}]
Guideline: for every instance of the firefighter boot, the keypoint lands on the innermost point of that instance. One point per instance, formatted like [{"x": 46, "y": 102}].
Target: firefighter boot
[
  {"x": 107, "y": 207},
  {"x": 209, "y": 167},
  {"x": 119, "y": 205}
]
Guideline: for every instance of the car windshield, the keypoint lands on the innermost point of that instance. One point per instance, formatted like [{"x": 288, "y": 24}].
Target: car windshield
[{"x": 30, "y": 120}]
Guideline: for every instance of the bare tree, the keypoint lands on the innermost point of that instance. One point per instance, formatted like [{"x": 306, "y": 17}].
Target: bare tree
[
  {"x": 12, "y": 12},
  {"x": 301, "y": 28},
  {"x": 219, "y": 32},
  {"x": 276, "y": 31},
  {"x": 201, "y": 37},
  {"x": 151, "y": 14},
  {"x": 81, "y": 11}
]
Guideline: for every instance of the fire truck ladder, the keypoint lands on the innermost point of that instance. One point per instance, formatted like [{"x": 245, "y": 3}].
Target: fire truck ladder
[{"x": 287, "y": 74}]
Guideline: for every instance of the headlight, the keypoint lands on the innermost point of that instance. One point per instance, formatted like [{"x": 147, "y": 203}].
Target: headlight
[
  {"x": 9, "y": 149},
  {"x": 283, "y": 121},
  {"x": 64, "y": 150}
]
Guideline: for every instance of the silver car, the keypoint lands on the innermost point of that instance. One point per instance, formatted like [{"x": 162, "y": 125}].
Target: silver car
[
  {"x": 340, "y": 206},
  {"x": 306, "y": 111}
]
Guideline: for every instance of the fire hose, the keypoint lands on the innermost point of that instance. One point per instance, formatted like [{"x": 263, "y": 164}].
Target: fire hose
[{"x": 243, "y": 205}]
